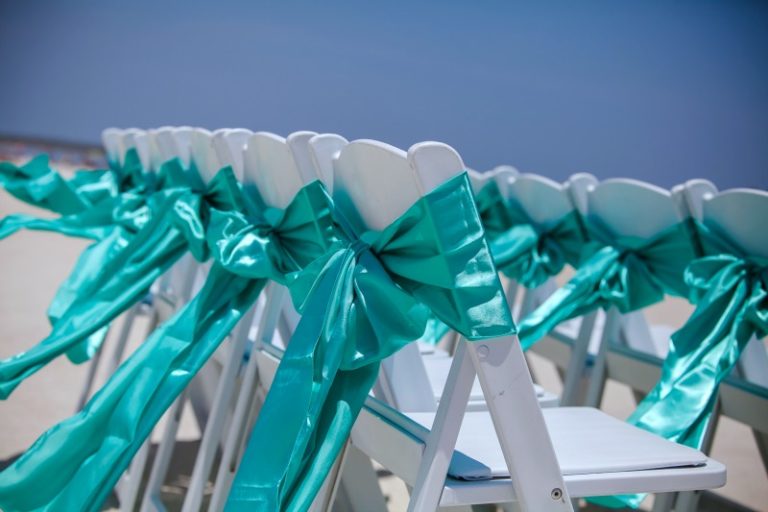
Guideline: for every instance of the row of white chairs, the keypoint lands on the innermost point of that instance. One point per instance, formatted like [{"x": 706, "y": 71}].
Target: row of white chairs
[{"x": 492, "y": 438}]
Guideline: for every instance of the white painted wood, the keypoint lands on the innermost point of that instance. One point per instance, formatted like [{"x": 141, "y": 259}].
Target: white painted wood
[
  {"x": 544, "y": 201},
  {"x": 739, "y": 215},
  {"x": 165, "y": 143},
  {"x": 516, "y": 418},
  {"x": 229, "y": 145},
  {"x": 360, "y": 176},
  {"x": 156, "y": 154},
  {"x": 441, "y": 440},
  {"x": 397, "y": 441},
  {"x": 111, "y": 139},
  {"x": 203, "y": 154},
  {"x": 578, "y": 186},
  {"x": 267, "y": 151},
  {"x": 324, "y": 148},
  {"x": 182, "y": 148},
  {"x": 279, "y": 167},
  {"x": 619, "y": 203}
]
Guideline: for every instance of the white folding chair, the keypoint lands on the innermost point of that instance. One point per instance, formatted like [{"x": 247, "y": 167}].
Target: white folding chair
[
  {"x": 744, "y": 394},
  {"x": 174, "y": 290},
  {"x": 739, "y": 214},
  {"x": 269, "y": 158},
  {"x": 278, "y": 168},
  {"x": 551, "y": 454}
]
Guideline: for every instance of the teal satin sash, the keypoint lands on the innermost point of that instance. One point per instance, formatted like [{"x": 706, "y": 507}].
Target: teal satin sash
[
  {"x": 176, "y": 225},
  {"x": 92, "y": 204},
  {"x": 37, "y": 184},
  {"x": 530, "y": 256},
  {"x": 75, "y": 465},
  {"x": 731, "y": 294},
  {"x": 629, "y": 274},
  {"x": 494, "y": 211},
  {"x": 522, "y": 251},
  {"x": 367, "y": 298}
]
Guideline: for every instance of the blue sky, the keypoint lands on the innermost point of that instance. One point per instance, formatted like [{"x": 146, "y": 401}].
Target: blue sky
[{"x": 661, "y": 91}]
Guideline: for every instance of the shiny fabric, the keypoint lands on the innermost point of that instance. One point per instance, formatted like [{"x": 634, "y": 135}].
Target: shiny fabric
[
  {"x": 494, "y": 211},
  {"x": 37, "y": 184},
  {"x": 626, "y": 273},
  {"x": 76, "y": 464},
  {"x": 107, "y": 206},
  {"x": 531, "y": 255},
  {"x": 363, "y": 301},
  {"x": 522, "y": 250},
  {"x": 176, "y": 225},
  {"x": 730, "y": 289}
]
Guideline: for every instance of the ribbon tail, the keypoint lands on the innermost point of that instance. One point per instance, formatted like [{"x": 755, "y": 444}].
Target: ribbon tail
[
  {"x": 75, "y": 465},
  {"x": 13, "y": 223},
  {"x": 119, "y": 285},
  {"x": 281, "y": 447},
  {"x": 577, "y": 297},
  {"x": 703, "y": 352},
  {"x": 36, "y": 184},
  {"x": 345, "y": 399}
]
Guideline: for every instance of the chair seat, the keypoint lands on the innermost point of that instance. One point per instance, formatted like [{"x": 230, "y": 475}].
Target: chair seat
[
  {"x": 586, "y": 441},
  {"x": 437, "y": 371}
]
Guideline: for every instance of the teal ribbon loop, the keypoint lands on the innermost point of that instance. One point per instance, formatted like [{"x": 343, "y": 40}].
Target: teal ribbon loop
[
  {"x": 530, "y": 256},
  {"x": 108, "y": 206},
  {"x": 629, "y": 274},
  {"x": 74, "y": 465},
  {"x": 176, "y": 224},
  {"x": 494, "y": 211},
  {"x": 37, "y": 184},
  {"x": 367, "y": 298}
]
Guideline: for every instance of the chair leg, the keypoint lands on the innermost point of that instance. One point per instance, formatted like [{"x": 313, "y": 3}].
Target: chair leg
[
  {"x": 664, "y": 502},
  {"x": 214, "y": 428},
  {"x": 151, "y": 501},
  {"x": 761, "y": 438},
  {"x": 359, "y": 484},
  {"x": 577, "y": 365},
  {"x": 599, "y": 374},
  {"x": 130, "y": 491},
  {"x": 90, "y": 378},
  {"x": 689, "y": 501}
]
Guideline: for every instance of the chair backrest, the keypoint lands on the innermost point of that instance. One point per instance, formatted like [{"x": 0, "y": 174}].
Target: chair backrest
[
  {"x": 500, "y": 174},
  {"x": 323, "y": 149},
  {"x": 739, "y": 215},
  {"x": 179, "y": 145},
  {"x": 382, "y": 182},
  {"x": 203, "y": 155},
  {"x": 111, "y": 139},
  {"x": 543, "y": 200},
  {"x": 138, "y": 139},
  {"x": 691, "y": 194},
  {"x": 157, "y": 153},
  {"x": 229, "y": 145},
  {"x": 578, "y": 186},
  {"x": 632, "y": 208},
  {"x": 270, "y": 165}
]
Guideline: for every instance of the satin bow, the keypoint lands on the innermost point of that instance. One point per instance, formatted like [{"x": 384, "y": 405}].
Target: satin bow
[
  {"x": 175, "y": 225},
  {"x": 108, "y": 206},
  {"x": 530, "y": 255},
  {"x": 367, "y": 298},
  {"x": 730, "y": 290},
  {"x": 76, "y": 464},
  {"x": 627, "y": 273},
  {"x": 493, "y": 209}
]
